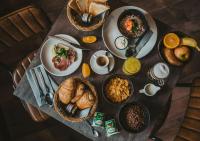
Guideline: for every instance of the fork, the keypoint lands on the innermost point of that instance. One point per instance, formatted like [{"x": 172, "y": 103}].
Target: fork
[
  {"x": 37, "y": 83},
  {"x": 49, "y": 94}
]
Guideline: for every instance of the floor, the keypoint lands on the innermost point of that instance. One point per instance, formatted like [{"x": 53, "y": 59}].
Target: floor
[
  {"x": 170, "y": 128},
  {"x": 15, "y": 123}
]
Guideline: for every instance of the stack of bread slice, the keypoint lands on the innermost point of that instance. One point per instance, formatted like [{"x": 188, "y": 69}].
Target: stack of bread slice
[{"x": 93, "y": 7}]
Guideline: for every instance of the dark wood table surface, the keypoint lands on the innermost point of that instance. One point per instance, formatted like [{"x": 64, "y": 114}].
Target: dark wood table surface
[{"x": 155, "y": 104}]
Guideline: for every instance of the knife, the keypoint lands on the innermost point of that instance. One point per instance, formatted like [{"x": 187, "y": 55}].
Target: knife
[
  {"x": 108, "y": 54},
  {"x": 68, "y": 42},
  {"x": 143, "y": 41},
  {"x": 136, "y": 46},
  {"x": 38, "y": 85}
]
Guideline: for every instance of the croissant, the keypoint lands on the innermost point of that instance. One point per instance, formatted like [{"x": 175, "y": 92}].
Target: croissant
[
  {"x": 79, "y": 92},
  {"x": 66, "y": 92},
  {"x": 69, "y": 84},
  {"x": 86, "y": 101}
]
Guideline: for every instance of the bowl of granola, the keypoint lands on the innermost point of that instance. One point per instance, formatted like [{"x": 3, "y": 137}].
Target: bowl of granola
[{"x": 117, "y": 89}]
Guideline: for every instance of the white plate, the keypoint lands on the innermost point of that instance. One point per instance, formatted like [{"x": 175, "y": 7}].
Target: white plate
[
  {"x": 101, "y": 70},
  {"x": 110, "y": 32},
  {"x": 47, "y": 54}
]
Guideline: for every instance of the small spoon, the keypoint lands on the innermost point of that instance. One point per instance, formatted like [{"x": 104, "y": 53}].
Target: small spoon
[
  {"x": 94, "y": 132},
  {"x": 161, "y": 82},
  {"x": 108, "y": 54},
  {"x": 49, "y": 94}
]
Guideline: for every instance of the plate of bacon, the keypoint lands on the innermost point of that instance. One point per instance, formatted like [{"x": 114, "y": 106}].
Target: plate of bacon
[{"x": 59, "y": 58}]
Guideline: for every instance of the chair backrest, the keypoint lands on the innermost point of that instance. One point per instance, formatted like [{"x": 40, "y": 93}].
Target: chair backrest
[
  {"x": 35, "y": 113},
  {"x": 21, "y": 68},
  {"x": 190, "y": 128},
  {"x": 19, "y": 26}
]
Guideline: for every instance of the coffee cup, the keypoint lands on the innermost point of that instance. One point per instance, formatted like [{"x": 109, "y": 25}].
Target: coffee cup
[
  {"x": 160, "y": 71},
  {"x": 102, "y": 61},
  {"x": 150, "y": 89}
]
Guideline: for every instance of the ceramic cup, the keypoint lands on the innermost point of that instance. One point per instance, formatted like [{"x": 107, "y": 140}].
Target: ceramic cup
[
  {"x": 150, "y": 89},
  {"x": 102, "y": 61},
  {"x": 160, "y": 71}
]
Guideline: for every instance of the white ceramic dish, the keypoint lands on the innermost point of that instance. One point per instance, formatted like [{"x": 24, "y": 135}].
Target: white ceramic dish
[
  {"x": 110, "y": 32},
  {"x": 101, "y": 70},
  {"x": 47, "y": 54}
]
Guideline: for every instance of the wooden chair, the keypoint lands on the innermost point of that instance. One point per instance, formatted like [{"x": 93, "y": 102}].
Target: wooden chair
[
  {"x": 183, "y": 110},
  {"x": 190, "y": 128},
  {"x": 35, "y": 113},
  {"x": 21, "y": 32}
]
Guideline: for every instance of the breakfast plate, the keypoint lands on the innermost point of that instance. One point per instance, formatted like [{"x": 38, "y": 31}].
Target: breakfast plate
[
  {"x": 110, "y": 32},
  {"x": 102, "y": 70},
  {"x": 47, "y": 54}
]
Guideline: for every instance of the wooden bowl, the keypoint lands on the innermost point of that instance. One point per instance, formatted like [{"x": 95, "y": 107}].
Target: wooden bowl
[
  {"x": 123, "y": 122},
  {"x": 59, "y": 108},
  {"x": 131, "y": 12},
  {"x": 160, "y": 47},
  {"x": 75, "y": 20},
  {"x": 106, "y": 81}
]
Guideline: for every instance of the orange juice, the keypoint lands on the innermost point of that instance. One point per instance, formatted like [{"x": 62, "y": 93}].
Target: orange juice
[{"x": 131, "y": 66}]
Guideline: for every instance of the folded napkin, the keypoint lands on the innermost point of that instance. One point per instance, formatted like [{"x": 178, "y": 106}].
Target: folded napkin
[{"x": 35, "y": 79}]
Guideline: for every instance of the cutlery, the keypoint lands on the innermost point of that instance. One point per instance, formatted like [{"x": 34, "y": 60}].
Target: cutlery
[
  {"x": 161, "y": 82},
  {"x": 51, "y": 86},
  {"x": 69, "y": 43},
  {"x": 48, "y": 95},
  {"x": 154, "y": 138},
  {"x": 144, "y": 40},
  {"x": 108, "y": 54},
  {"x": 95, "y": 132},
  {"x": 132, "y": 43},
  {"x": 135, "y": 48},
  {"x": 38, "y": 85}
]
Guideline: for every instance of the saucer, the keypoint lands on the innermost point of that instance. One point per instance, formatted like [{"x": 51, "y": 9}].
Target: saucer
[{"x": 102, "y": 70}]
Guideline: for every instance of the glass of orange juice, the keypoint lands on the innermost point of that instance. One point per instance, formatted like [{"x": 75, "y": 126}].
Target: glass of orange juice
[{"x": 131, "y": 66}]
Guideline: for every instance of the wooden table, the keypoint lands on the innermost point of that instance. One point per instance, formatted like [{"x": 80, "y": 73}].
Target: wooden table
[{"x": 155, "y": 104}]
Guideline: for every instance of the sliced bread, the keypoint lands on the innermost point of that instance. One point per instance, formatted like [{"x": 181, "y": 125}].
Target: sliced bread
[
  {"x": 100, "y": 1},
  {"x": 82, "y": 5},
  {"x": 97, "y": 8},
  {"x": 72, "y": 4}
]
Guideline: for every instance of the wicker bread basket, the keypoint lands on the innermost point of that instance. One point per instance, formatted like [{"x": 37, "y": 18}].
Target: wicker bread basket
[
  {"x": 59, "y": 109},
  {"x": 75, "y": 20}
]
